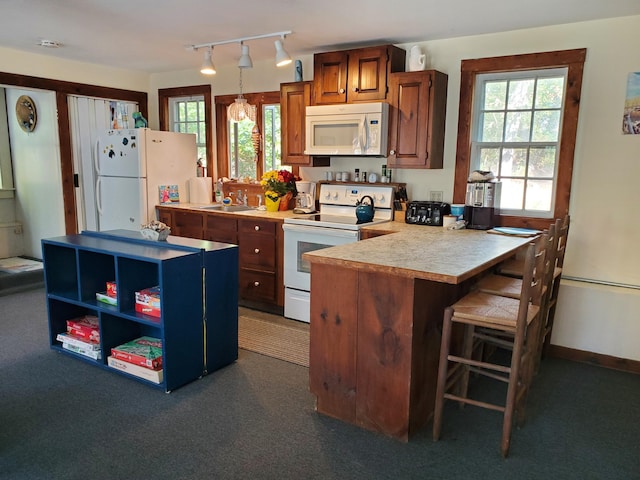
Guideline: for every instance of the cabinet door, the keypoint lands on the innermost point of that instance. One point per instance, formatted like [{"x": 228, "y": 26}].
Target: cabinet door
[
  {"x": 294, "y": 98},
  {"x": 221, "y": 228},
  {"x": 417, "y": 119},
  {"x": 330, "y": 77},
  {"x": 165, "y": 216},
  {"x": 188, "y": 224},
  {"x": 367, "y": 74}
]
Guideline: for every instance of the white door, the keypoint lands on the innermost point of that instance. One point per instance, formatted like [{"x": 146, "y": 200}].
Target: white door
[{"x": 122, "y": 203}]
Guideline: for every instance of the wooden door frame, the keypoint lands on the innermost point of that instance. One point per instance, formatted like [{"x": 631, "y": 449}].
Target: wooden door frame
[{"x": 62, "y": 89}]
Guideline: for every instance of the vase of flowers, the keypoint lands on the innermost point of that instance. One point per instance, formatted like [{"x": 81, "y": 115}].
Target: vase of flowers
[{"x": 279, "y": 185}]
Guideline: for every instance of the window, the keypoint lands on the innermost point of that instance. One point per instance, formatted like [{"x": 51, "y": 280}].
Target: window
[
  {"x": 187, "y": 115},
  {"x": 518, "y": 118},
  {"x": 237, "y": 156},
  {"x": 247, "y": 142},
  {"x": 188, "y": 109},
  {"x": 516, "y": 135}
]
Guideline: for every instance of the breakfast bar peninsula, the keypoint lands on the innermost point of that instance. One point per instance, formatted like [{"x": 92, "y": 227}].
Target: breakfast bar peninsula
[{"x": 376, "y": 313}]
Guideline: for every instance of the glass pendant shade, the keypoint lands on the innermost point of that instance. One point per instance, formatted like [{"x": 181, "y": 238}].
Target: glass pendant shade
[{"x": 241, "y": 110}]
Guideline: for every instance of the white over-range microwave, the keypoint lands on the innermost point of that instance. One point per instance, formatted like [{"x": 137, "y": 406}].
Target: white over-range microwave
[{"x": 347, "y": 129}]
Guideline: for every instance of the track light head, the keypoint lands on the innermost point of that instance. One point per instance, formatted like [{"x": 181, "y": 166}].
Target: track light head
[
  {"x": 282, "y": 57},
  {"x": 245, "y": 60},
  {"x": 207, "y": 65}
]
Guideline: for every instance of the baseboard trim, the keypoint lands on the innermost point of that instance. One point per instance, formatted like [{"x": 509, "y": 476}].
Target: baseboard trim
[{"x": 607, "y": 361}]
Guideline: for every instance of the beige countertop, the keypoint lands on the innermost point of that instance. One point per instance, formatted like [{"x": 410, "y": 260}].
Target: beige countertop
[
  {"x": 253, "y": 212},
  {"x": 430, "y": 253},
  {"x": 417, "y": 251}
]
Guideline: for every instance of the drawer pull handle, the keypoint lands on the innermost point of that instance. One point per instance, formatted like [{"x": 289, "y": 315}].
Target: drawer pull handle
[
  {"x": 256, "y": 284},
  {"x": 257, "y": 227},
  {"x": 257, "y": 250}
]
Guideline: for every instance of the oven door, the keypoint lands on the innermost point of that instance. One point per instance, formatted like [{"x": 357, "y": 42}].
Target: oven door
[{"x": 299, "y": 239}]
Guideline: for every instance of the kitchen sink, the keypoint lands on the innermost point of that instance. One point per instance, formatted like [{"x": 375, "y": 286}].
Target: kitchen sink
[{"x": 227, "y": 208}]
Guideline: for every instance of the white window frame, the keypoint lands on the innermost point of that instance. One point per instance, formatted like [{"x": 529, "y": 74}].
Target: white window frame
[
  {"x": 201, "y": 143},
  {"x": 6, "y": 168},
  {"x": 476, "y": 145}
]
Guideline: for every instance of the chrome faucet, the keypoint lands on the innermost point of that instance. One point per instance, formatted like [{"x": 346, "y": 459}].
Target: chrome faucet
[{"x": 239, "y": 199}]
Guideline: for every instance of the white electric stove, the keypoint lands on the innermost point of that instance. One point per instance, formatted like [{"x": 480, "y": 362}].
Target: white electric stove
[{"x": 335, "y": 224}]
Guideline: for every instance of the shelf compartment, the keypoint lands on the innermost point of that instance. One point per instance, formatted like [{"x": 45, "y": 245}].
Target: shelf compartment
[
  {"x": 96, "y": 269},
  {"x": 134, "y": 275},
  {"x": 61, "y": 272}
]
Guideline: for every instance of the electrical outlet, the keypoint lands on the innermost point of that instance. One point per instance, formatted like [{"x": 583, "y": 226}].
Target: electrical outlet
[
  {"x": 436, "y": 196},
  {"x": 17, "y": 229}
]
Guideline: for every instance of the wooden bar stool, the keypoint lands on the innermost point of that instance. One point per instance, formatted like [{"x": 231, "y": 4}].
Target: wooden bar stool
[
  {"x": 547, "y": 326},
  {"x": 518, "y": 318},
  {"x": 511, "y": 287}
]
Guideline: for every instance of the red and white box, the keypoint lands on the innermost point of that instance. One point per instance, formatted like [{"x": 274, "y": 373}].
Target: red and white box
[
  {"x": 86, "y": 327},
  {"x": 143, "y": 351},
  {"x": 148, "y": 301},
  {"x": 112, "y": 290}
]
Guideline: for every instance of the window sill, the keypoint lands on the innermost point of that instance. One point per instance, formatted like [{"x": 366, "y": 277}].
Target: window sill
[{"x": 7, "y": 192}]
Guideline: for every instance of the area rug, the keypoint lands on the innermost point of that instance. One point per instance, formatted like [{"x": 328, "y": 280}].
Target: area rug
[
  {"x": 19, "y": 265},
  {"x": 274, "y": 340}
]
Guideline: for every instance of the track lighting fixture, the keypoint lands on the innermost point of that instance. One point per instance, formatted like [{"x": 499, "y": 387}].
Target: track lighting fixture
[
  {"x": 282, "y": 57},
  {"x": 245, "y": 60},
  {"x": 207, "y": 65}
]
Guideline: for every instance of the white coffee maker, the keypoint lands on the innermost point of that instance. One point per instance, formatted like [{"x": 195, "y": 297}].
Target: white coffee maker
[{"x": 306, "y": 198}]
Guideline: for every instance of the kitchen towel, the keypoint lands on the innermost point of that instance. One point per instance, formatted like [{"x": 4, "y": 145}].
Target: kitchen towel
[{"x": 200, "y": 190}]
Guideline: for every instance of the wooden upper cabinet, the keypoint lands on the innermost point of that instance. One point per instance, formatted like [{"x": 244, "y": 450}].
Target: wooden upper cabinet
[
  {"x": 294, "y": 98},
  {"x": 358, "y": 75},
  {"x": 417, "y": 102}
]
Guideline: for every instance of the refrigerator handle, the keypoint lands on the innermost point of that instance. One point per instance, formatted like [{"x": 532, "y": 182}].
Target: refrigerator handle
[
  {"x": 98, "y": 196},
  {"x": 95, "y": 158}
]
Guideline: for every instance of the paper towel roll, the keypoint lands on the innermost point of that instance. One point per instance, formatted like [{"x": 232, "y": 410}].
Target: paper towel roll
[{"x": 200, "y": 190}]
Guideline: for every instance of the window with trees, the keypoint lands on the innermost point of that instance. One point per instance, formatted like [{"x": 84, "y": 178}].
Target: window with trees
[
  {"x": 518, "y": 118},
  {"x": 247, "y": 149},
  {"x": 188, "y": 110}
]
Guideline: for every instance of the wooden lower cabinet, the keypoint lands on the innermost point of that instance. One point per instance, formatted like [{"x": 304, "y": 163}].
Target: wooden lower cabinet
[
  {"x": 375, "y": 344},
  {"x": 261, "y": 268},
  {"x": 260, "y": 242}
]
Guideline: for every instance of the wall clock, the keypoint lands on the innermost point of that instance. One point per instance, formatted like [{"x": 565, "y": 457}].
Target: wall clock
[{"x": 26, "y": 113}]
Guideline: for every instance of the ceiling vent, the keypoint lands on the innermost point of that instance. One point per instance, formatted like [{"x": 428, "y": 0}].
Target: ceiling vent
[{"x": 50, "y": 44}]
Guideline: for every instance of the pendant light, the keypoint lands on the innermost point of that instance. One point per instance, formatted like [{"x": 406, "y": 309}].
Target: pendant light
[{"x": 240, "y": 109}]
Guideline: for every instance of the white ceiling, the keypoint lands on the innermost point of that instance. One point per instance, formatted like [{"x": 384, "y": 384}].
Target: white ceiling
[{"x": 151, "y": 35}]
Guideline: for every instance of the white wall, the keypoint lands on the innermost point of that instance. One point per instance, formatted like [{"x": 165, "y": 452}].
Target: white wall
[{"x": 36, "y": 172}]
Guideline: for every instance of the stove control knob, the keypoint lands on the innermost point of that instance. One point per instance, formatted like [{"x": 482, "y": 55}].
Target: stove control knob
[
  {"x": 380, "y": 197},
  {"x": 327, "y": 195},
  {"x": 335, "y": 195}
]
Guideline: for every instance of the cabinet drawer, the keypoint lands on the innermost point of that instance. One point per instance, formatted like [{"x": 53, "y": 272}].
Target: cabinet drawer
[
  {"x": 259, "y": 286},
  {"x": 221, "y": 222},
  {"x": 222, "y": 236},
  {"x": 257, "y": 226},
  {"x": 258, "y": 251}
]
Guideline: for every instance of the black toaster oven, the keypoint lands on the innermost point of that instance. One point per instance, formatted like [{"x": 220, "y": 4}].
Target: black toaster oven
[{"x": 426, "y": 213}]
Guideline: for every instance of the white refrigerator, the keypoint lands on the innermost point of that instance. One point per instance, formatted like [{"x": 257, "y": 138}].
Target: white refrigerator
[{"x": 131, "y": 165}]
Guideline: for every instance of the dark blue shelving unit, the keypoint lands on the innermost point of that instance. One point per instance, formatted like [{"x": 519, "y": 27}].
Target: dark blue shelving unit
[{"x": 199, "y": 297}]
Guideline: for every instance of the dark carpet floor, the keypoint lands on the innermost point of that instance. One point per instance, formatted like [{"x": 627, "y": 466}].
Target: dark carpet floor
[{"x": 61, "y": 418}]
